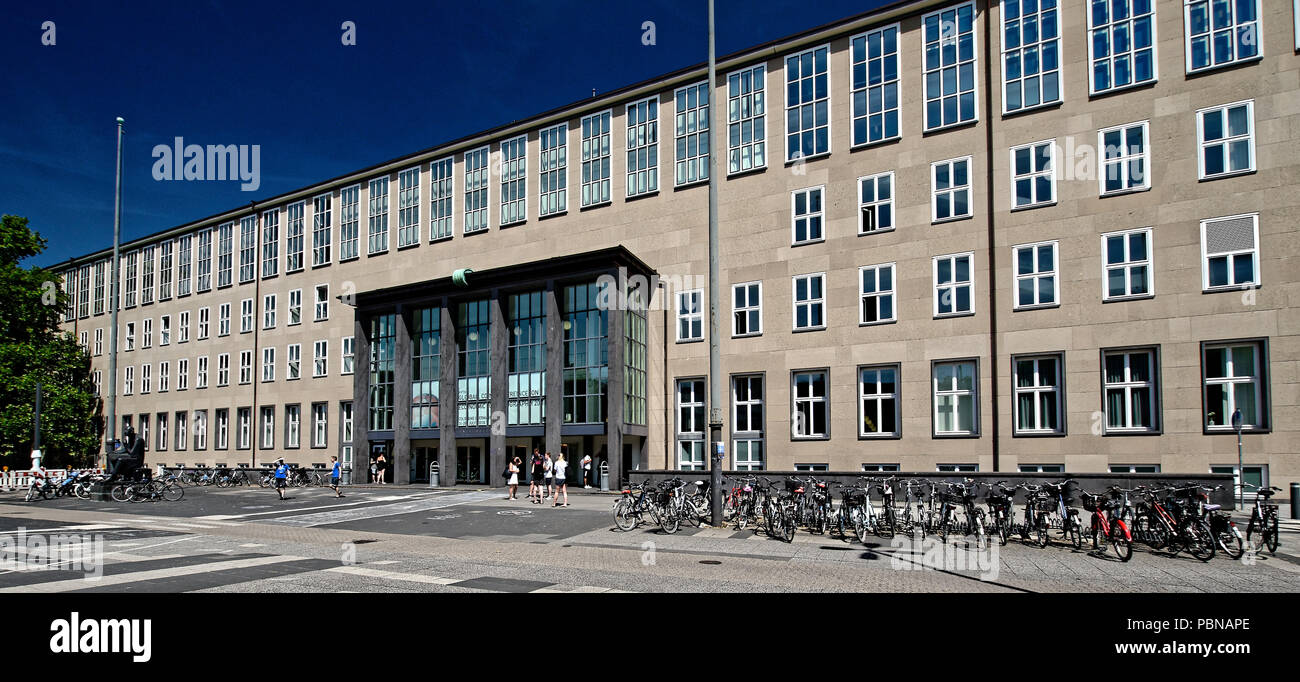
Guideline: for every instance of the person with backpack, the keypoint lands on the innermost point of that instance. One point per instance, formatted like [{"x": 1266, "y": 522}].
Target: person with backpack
[{"x": 281, "y": 476}]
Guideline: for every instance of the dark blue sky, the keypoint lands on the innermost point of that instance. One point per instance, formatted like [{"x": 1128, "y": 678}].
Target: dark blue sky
[{"x": 276, "y": 74}]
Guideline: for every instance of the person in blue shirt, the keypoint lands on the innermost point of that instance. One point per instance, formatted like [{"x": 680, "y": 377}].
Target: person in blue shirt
[
  {"x": 281, "y": 476},
  {"x": 335, "y": 474}
]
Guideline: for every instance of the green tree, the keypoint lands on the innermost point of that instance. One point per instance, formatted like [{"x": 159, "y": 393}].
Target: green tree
[{"x": 34, "y": 350}]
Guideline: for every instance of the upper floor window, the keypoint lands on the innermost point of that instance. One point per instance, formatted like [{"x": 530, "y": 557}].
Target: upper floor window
[
  {"x": 1221, "y": 32},
  {"x": 268, "y": 311},
  {"x": 378, "y": 216},
  {"x": 270, "y": 243},
  {"x": 746, "y": 119},
  {"x": 1230, "y": 252},
  {"x": 321, "y": 234},
  {"x": 876, "y": 203},
  {"x": 806, "y": 215},
  {"x": 247, "y": 248},
  {"x": 514, "y": 180},
  {"x": 747, "y": 309},
  {"x": 295, "y": 307},
  {"x": 875, "y": 85},
  {"x": 293, "y": 237},
  {"x": 349, "y": 222},
  {"x": 950, "y": 64},
  {"x": 408, "y": 207},
  {"x": 807, "y": 104},
  {"x": 225, "y": 255},
  {"x": 1031, "y": 60},
  {"x": 1122, "y": 44},
  {"x": 595, "y": 158},
  {"x": 691, "y": 128},
  {"x": 1226, "y": 140},
  {"x": 1035, "y": 275},
  {"x": 1127, "y": 264},
  {"x": 477, "y": 188},
  {"x": 643, "y": 147},
  {"x": 950, "y": 189},
  {"x": 553, "y": 195},
  {"x": 810, "y": 302},
  {"x": 877, "y": 294},
  {"x": 442, "y": 189},
  {"x": 1125, "y": 158},
  {"x": 954, "y": 286},
  {"x": 1033, "y": 174},
  {"x": 322, "y": 308},
  {"x": 690, "y": 316}
]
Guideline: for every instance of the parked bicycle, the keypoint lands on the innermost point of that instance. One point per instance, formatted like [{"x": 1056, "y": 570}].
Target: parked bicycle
[
  {"x": 1261, "y": 531},
  {"x": 1105, "y": 527}
]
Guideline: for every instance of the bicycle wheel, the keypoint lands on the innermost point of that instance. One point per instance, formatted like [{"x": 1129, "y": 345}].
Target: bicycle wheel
[
  {"x": 172, "y": 492},
  {"x": 1255, "y": 534},
  {"x": 1270, "y": 534},
  {"x": 1229, "y": 540},
  {"x": 1120, "y": 540},
  {"x": 787, "y": 527},
  {"x": 1152, "y": 531},
  {"x": 1004, "y": 529},
  {"x": 1098, "y": 538},
  {"x": 695, "y": 511},
  {"x": 1200, "y": 541},
  {"x": 860, "y": 525},
  {"x": 670, "y": 523},
  {"x": 120, "y": 493},
  {"x": 1041, "y": 529},
  {"x": 623, "y": 517},
  {"x": 1076, "y": 531}
]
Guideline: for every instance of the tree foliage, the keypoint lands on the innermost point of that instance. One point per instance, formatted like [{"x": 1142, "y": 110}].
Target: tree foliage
[{"x": 34, "y": 350}]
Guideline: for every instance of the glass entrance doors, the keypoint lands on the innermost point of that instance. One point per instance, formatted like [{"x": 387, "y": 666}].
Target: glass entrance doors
[{"x": 470, "y": 465}]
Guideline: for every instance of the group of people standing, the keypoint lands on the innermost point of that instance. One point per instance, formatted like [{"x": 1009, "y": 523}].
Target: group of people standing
[{"x": 548, "y": 477}]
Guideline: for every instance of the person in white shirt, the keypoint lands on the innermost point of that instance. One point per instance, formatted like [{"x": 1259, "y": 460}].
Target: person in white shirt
[
  {"x": 586, "y": 471},
  {"x": 561, "y": 481},
  {"x": 549, "y": 468}
]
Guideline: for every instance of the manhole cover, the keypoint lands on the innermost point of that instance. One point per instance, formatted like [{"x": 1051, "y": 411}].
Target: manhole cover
[
  {"x": 710, "y": 562},
  {"x": 514, "y": 512}
]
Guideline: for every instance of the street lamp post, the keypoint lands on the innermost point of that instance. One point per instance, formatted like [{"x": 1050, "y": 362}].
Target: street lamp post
[
  {"x": 113, "y": 295},
  {"x": 1241, "y": 471},
  {"x": 716, "y": 448}
]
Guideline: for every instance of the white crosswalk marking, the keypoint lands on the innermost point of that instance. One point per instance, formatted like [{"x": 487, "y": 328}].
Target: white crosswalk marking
[
  {"x": 124, "y": 578},
  {"x": 357, "y": 514},
  {"x": 392, "y": 575}
]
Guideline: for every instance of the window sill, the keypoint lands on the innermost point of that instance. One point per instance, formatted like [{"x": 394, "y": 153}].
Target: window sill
[
  {"x": 886, "y": 230},
  {"x": 945, "y": 316},
  {"x": 1229, "y": 431},
  {"x": 688, "y": 341},
  {"x": 503, "y": 226},
  {"x": 880, "y": 436},
  {"x": 1132, "y": 432},
  {"x": 1093, "y": 94},
  {"x": 1022, "y": 111},
  {"x": 589, "y": 207},
  {"x": 802, "y": 330},
  {"x": 1244, "y": 286},
  {"x": 702, "y": 182},
  {"x": 874, "y": 143},
  {"x": 748, "y": 171},
  {"x": 951, "y": 126},
  {"x": 1214, "y": 68},
  {"x": 954, "y": 219},
  {"x": 749, "y": 335},
  {"x": 1223, "y": 176},
  {"x": 878, "y": 323},
  {"x": 799, "y": 439},
  {"x": 555, "y": 214},
  {"x": 1039, "y": 306},
  {"x": 439, "y": 240},
  {"x": 806, "y": 159},
  {"x": 643, "y": 195},
  {"x": 1038, "y": 434},
  {"x": 1123, "y": 192},
  {"x": 807, "y": 242},
  {"x": 1122, "y": 299},
  {"x": 1030, "y": 207},
  {"x": 955, "y": 435}
]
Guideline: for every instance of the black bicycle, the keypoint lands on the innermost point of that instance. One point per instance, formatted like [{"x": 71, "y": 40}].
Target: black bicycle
[{"x": 1262, "y": 530}]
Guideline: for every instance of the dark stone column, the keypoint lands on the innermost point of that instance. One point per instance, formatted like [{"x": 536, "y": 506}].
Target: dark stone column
[
  {"x": 401, "y": 464},
  {"x": 614, "y": 390},
  {"x": 447, "y": 397},
  {"x": 554, "y": 367},
  {"x": 498, "y": 361},
  {"x": 361, "y": 400}
]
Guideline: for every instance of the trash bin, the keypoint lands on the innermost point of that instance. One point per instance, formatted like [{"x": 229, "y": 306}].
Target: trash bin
[
  {"x": 604, "y": 476},
  {"x": 433, "y": 475}
]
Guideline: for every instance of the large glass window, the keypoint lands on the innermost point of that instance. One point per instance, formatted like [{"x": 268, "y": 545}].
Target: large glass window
[
  {"x": 270, "y": 243},
  {"x": 442, "y": 189},
  {"x": 1221, "y": 32},
  {"x": 1234, "y": 379},
  {"x": 408, "y": 207},
  {"x": 691, "y": 424},
  {"x": 378, "y": 216},
  {"x": 129, "y": 290},
  {"x": 586, "y": 354},
  {"x": 955, "y": 399},
  {"x": 553, "y": 195},
  {"x": 146, "y": 275},
  {"x": 321, "y": 236},
  {"x": 643, "y": 147},
  {"x": 1130, "y": 384},
  {"x": 747, "y": 424},
  {"x": 954, "y": 285},
  {"x": 807, "y": 104},
  {"x": 1127, "y": 268},
  {"x": 878, "y": 401},
  {"x": 383, "y": 351},
  {"x": 1226, "y": 137},
  {"x": 1031, "y": 60},
  {"x": 247, "y": 248},
  {"x": 293, "y": 237},
  {"x": 634, "y": 359},
  {"x": 950, "y": 64},
  {"x": 690, "y": 315},
  {"x": 319, "y": 425},
  {"x": 474, "y": 375},
  {"x": 1036, "y": 275},
  {"x": 184, "y": 265},
  {"x": 1038, "y": 394},
  {"x": 526, "y": 375},
  {"x": 811, "y": 405},
  {"x": 514, "y": 180},
  {"x": 595, "y": 158},
  {"x": 691, "y": 127},
  {"x": 746, "y": 119},
  {"x": 203, "y": 270},
  {"x": 1122, "y": 46},
  {"x": 875, "y": 85},
  {"x": 1231, "y": 252},
  {"x": 877, "y": 294},
  {"x": 477, "y": 187},
  {"x": 225, "y": 255},
  {"x": 349, "y": 221},
  {"x": 165, "y": 265}
]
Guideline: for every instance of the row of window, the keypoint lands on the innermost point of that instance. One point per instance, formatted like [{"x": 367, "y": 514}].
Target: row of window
[
  {"x": 1234, "y": 376},
  {"x": 192, "y": 430},
  {"x": 1229, "y": 259},
  {"x": 293, "y": 368},
  {"x": 1122, "y": 54}
]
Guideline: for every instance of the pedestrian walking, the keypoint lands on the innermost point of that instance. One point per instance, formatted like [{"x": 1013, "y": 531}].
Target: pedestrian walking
[
  {"x": 548, "y": 468},
  {"x": 514, "y": 478},
  {"x": 538, "y": 468},
  {"x": 281, "y": 476},
  {"x": 336, "y": 472},
  {"x": 374, "y": 470},
  {"x": 586, "y": 471},
  {"x": 382, "y": 465},
  {"x": 561, "y": 481}
]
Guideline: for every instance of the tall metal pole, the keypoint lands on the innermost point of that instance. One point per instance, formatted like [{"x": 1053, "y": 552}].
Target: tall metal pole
[
  {"x": 715, "y": 361},
  {"x": 113, "y": 295},
  {"x": 1241, "y": 470},
  {"x": 36, "y": 437}
]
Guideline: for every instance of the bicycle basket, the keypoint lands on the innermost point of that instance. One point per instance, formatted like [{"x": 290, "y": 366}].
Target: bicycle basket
[
  {"x": 1090, "y": 502},
  {"x": 792, "y": 485},
  {"x": 856, "y": 497}
]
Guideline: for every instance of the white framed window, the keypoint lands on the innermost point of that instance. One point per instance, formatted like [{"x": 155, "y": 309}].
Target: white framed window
[
  {"x": 165, "y": 265},
  {"x": 200, "y": 429},
  {"x": 691, "y": 133},
  {"x": 874, "y": 74},
  {"x": 201, "y": 372},
  {"x": 442, "y": 198},
  {"x": 950, "y": 189},
  {"x": 951, "y": 63},
  {"x": 877, "y": 294},
  {"x": 1033, "y": 174},
  {"x": 747, "y": 432},
  {"x": 268, "y": 311},
  {"x": 130, "y": 337},
  {"x": 129, "y": 290},
  {"x": 1226, "y": 140},
  {"x": 320, "y": 358},
  {"x": 205, "y": 315},
  {"x": 182, "y": 374},
  {"x": 183, "y": 327},
  {"x": 811, "y": 397},
  {"x": 878, "y": 401},
  {"x": 268, "y": 364},
  {"x": 643, "y": 147},
  {"x": 295, "y": 307},
  {"x": 322, "y": 307},
  {"x": 84, "y": 341},
  {"x": 244, "y": 415},
  {"x": 807, "y": 104},
  {"x": 747, "y": 119},
  {"x": 691, "y": 424},
  {"x": 247, "y": 248},
  {"x": 1039, "y": 391},
  {"x": 880, "y": 468},
  {"x": 1127, "y": 265},
  {"x": 807, "y": 216},
  {"x": 1234, "y": 378},
  {"x": 98, "y": 297},
  {"x": 245, "y": 367},
  {"x": 747, "y": 309},
  {"x": 957, "y": 468},
  {"x": 553, "y": 187},
  {"x": 514, "y": 181},
  {"x": 1031, "y": 59},
  {"x": 1036, "y": 266},
  {"x": 246, "y": 316},
  {"x": 128, "y": 380},
  {"x": 348, "y": 356},
  {"x": 1220, "y": 33},
  {"x": 954, "y": 285},
  {"x": 1041, "y": 468},
  {"x": 876, "y": 203},
  {"x": 147, "y": 258},
  {"x": 203, "y": 263},
  {"x": 322, "y": 237},
  {"x": 99, "y": 382},
  {"x": 408, "y": 207},
  {"x": 223, "y": 369},
  {"x": 349, "y": 222},
  {"x": 1121, "y": 44},
  {"x": 184, "y": 265},
  {"x": 319, "y": 424},
  {"x": 1135, "y": 468},
  {"x": 222, "y": 429},
  {"x": 1129, "y": 382},
  {"x": 378, "y": 216},
  {"x": 478, "y": 187},
  {"x": 223, "y": 320},
  {"x": 595, "y": 158},
  {"x": 268, "y": 427},
  {"x": 293, "y": 362},
  {"x": 146, "y": 380},
  {"x": 146, "y": 339},
  {"x": 690, "y": 315},
  {"x": 270, "y": 243},
  {"x": 956, "y": 399},
  {"x": 165, "y": 330},
  {"x": 99, "y": 342},
  {"x": 164, "y": 376},
  {"x": 809, "y": 293},
  {"x": 1125, "y": 158},
  {"x": 1230, "y": 253},
  {"x": 225, "y": 255},
  {"x": 161, "y": 421}
]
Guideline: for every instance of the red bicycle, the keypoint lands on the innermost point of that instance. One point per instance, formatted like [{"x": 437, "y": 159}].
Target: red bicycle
[{"x": 1107, "y": 527}]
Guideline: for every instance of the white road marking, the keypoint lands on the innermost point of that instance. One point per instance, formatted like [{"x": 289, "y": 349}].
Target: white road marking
[
  {"x": 250, "y": 545},
  {"x": 60, "y": 529},
  {"x": 392, "y": 575},
  {"x": 425, "y": 504},
  {"x": 139, "y": 576},
  {"x": 226, "y": 517}
]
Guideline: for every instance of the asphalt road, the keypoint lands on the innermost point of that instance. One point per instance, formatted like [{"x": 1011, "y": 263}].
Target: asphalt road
[{"x": 410, "y": 539}]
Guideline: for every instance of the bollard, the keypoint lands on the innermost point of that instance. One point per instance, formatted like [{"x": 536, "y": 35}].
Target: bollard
[{"x": 1295, "y": 501}]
